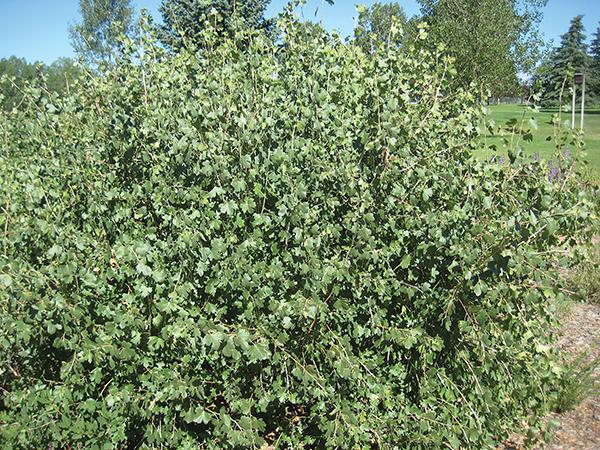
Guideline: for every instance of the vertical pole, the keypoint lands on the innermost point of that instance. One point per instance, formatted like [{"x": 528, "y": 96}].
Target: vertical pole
[
  {"x": 573, "y": 109},
  {"x": 582, "y": 102}
]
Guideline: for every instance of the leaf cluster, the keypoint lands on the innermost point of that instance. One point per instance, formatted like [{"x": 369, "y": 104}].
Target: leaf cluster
[
  {"x": 381, "y": 23},
  {"x": 186, "y": 21}
]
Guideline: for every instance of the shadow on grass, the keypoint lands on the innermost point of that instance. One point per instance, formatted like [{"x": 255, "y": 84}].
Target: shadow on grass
[{"x": 591, "y": 112}]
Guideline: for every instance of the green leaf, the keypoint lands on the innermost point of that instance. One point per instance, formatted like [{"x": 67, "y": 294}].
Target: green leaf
[
  {"x": 533, "y": 123},
  {"x": 229, "y": 207},
  {"x": 258, "y": 353},
  {"x": 427, "y": 194},
  {"x": 143, "y": 269},
  {"x": 6, "y": 280},
  {"x": 214, "y": 340}
]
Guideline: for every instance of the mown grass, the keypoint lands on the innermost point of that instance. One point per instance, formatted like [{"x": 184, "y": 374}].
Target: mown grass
[{"x": 498, "y": 142}]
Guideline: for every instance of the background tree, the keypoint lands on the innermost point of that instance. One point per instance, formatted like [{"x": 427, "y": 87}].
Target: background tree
[
  {"x": 492, "y": 40},
  {"x": 95, "y": 39},
  {"x": 380, "y": 22},
  {"x": 15, "y": 74},
  {"x": 594, "y": 79},
  {"x": 184, "y": 20},
  {"x": 595, "y": 49},
  {"x": 61, "y": 75},
  {"x": 570, "y": 58}
]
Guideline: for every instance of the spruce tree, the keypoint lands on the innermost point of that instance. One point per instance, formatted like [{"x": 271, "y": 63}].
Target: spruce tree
[
  {"x": 594, "y": 81},
  {"x": 570, "y": 58},
  {"x": 595, "y": 48},
  {"x": 184, "y": 20}
]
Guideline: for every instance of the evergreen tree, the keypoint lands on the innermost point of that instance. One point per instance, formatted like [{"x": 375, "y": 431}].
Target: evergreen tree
[
  {"x": 95, "y": 39},
  {"x": 594, "y": 81},
  {"x": 184, "y": 20},
  {"x": 595, "y": 48},
  {"x": 570, "y": 58},
  {"x": 380, "y": 22}
]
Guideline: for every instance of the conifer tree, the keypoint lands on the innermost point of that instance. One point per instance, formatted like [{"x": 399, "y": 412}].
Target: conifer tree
[
  {"x": 184, "y": 20},
  {"x": 595, "y": 66},
  {"x": 570, "y": 58},
  {"x": 595, "y": 48}
]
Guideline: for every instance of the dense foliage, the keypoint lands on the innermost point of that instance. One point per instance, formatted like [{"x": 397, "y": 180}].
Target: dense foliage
[
  {"x": 185, "y": 20},
  {"x": 593, "y": 76},
  {"x": 380, "y": 22},
  {"x": 492, "y": 40},
  {"x": 16, "y": 73},
  {"x": 291, "y": 245}
]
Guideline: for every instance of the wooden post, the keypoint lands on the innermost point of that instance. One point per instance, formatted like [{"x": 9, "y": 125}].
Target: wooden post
[
  {"x": 579, "y": 78},
  {"x": 582, "y": 101},
  {"x": 573, "y": 108}
]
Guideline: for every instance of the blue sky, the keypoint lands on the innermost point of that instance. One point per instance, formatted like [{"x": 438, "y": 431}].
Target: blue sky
[{"x": 37, "y": 29}]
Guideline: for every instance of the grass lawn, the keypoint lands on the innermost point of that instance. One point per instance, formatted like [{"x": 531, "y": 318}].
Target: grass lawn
[{"x": 544, "y": 138}]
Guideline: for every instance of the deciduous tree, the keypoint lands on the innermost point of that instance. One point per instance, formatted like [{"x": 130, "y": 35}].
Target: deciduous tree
[
  {"x": 380, "y": 22},
  {"x": 15, "y": 73},
  {"x": 60, "y": 76},
  {"x": 492, "y": 40},
  {"x": 95, "y": 39}
]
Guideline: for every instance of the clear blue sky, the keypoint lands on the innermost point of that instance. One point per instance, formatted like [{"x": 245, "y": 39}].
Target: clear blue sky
[{"x": 37, "y": 29}]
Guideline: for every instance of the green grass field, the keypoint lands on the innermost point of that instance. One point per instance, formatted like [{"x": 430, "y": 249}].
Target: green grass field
[{"x": 544, "y": 138}]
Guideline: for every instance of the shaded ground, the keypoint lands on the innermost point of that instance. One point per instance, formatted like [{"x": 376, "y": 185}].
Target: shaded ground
[{"x": 579, "y": 428}]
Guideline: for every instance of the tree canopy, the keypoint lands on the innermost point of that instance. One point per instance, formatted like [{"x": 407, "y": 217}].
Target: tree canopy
[
  {"x": 16, "y": 74},
  {"x": 595, "y": 48},
  {"x": 492, "y": 40},
  {"x": 96, "y": 38},
  {"x": 594, "y": 52},
  {"x": 380, "y": 22}
]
